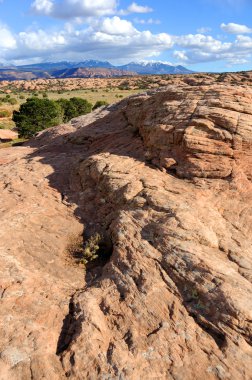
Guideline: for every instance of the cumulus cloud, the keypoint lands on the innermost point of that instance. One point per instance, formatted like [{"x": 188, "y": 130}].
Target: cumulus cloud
[
  {"x": 203, "y": 42},
  {"x": 7, "y": 40},
  {"x": 116, "y": 38},
  {"x": 117, "y": 26},
  {"x": 43, "y": 6},
  {"x": 40, "y": 41},
  {"x": 235, "y": 28},
  {"x": 200, "y": 48},
  {"x": 135, "y": 8},
  {"x": 67, "y": 9},
  {"x": 109, "y": 38}
]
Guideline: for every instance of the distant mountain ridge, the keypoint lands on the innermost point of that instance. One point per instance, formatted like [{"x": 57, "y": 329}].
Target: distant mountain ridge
[
  {"x": 49, "y": 66},
  {"x": 147, "y": 68},
  {"x": 87, "y": 69}
]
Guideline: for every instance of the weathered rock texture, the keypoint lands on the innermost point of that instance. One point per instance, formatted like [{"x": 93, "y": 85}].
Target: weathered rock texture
[{"x": 166, "y": 176}]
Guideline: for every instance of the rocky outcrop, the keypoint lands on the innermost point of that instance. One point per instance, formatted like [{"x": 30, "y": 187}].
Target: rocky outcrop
[{"x": 165, "y": 177}]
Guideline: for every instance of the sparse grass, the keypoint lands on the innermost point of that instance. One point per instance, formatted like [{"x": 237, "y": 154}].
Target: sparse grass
[{"x": 93, "y": 96}]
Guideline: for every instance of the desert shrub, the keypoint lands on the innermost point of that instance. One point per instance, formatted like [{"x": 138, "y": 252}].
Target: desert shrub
[
  {"x": 12, "y": 101},
  {"x": 85, "y": 252},
  {"x": 125, "y": 85},
  {"x": 21, "y": 97},
  {"x": 8, "y": 99},
  {"x": 100, "y": 103},
  {"x": 74, "y": 107},
  {"x": 35, "y": 115},
  {"x": 91, "y": 248},
  {"x": 4, "y": 113}
]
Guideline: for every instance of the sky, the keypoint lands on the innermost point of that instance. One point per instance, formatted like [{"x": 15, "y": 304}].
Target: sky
[{"x": 203, "y": 35}]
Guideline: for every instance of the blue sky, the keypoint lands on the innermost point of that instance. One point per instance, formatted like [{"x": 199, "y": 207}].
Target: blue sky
[{"x": 204, "y": 35}]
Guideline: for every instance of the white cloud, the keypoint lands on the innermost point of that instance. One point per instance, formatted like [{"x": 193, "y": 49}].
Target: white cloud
[
  {"x": 135, "y": 8},
  {"x": 40, "y": 41},
  {"x": 117, "y": 26},
  {"x": 42, "y": 6},
  {"x": 7, "y": 40},
  {"x": 235, "y": 28},
  {"x": 108, "y": 38},
  {"x": 67, "y": 9},
  {"x": 200, "y": 41},
  {"x": 116, "y": 39},
  {"x": 243, "y": 42},
  {"x": 200, "y": 48}
]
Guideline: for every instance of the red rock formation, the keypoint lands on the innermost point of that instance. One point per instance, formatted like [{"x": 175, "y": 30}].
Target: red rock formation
[{"x": 166, "y": 176}]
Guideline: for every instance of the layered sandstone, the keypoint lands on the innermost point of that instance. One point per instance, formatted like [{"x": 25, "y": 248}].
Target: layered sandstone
[{"x": 165, "y": 177}]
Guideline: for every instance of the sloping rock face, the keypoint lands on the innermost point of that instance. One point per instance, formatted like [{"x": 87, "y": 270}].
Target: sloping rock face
[{"x": 165, "y": 177}]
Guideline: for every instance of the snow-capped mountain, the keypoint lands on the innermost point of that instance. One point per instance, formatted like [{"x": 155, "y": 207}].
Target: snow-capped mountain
[
  {"x": 73, "y": 69},
  {"x": 155, "y": 67},
  {"x": 48, "y": 66},
  {"x": 141, "y": 67}
]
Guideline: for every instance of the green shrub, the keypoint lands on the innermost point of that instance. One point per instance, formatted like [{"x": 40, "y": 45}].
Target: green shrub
[
  {"x": 74, "y": 107},
  {"x": 100, "y": 103},
  {"x": 35, "y": 115},
  {"x": 12, "y": 101}
]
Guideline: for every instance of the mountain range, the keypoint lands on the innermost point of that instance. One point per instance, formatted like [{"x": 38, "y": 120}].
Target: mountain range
[{"x": 87, "y": 69}]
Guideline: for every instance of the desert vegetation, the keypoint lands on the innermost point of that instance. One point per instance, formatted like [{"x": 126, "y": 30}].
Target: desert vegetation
[
  {"x": 96, "y": 92},
  {"x": 87, "y": 251},
  {"x": 38, "y": 114}
]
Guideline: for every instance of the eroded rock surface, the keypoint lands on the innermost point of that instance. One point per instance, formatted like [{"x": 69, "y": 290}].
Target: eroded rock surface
[{"x": 166, "y": 176}]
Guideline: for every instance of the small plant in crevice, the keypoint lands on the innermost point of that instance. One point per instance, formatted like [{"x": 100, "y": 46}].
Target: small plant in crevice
[
  {"x": 94, "y": 251},
  {"x": 91, "y": 248}
]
